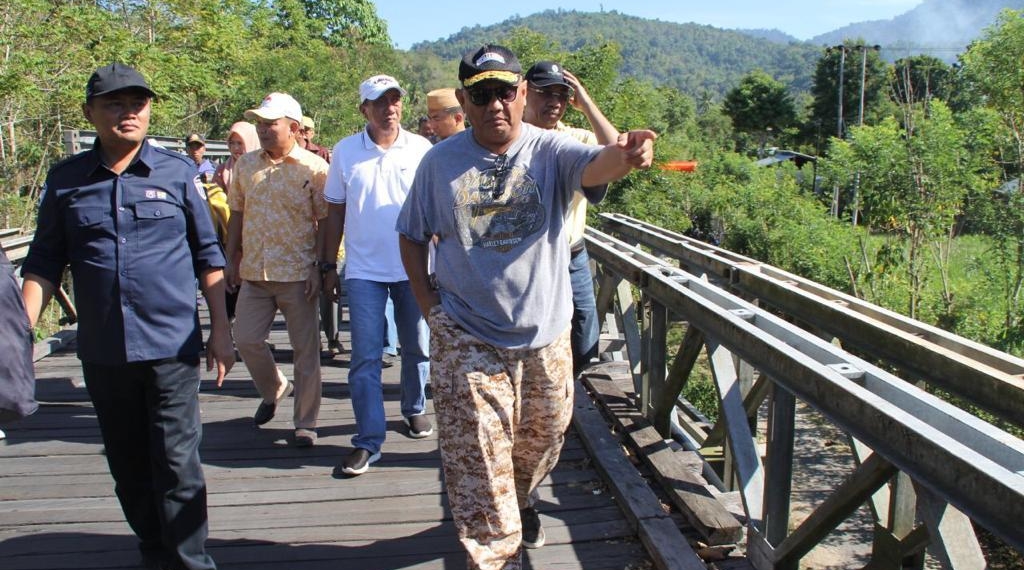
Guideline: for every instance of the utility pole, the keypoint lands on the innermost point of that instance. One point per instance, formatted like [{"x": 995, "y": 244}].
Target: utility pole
[
  {"x": 839, "y": 112},
  {"x": 839, "y": 119},
  {"x": 860, "y": 123},
  {"x": 863, "y": 76}
]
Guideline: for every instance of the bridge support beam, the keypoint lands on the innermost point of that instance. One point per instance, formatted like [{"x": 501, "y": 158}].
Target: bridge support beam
[{"x": 846, "y": 499}]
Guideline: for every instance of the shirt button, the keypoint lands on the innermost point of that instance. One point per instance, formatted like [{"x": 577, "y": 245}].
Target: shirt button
[
  {"x": 120, "y": 208},
  {"x": 157, "y": 212},
  {"x": 123, "y": 240}
]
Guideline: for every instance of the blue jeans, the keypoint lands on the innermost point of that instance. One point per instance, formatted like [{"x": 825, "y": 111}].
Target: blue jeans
[
  {"x": 585, "y": 330},
  {"x": 149, "y": 418},
  {"x": 366, "y": 304}
]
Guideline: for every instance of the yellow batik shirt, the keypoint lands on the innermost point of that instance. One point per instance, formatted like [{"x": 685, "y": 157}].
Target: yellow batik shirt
[{"x": 282, "y": 202}]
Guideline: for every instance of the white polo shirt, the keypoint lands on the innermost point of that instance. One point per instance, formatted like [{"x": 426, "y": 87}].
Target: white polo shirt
[{"x": 373, "y": 183}]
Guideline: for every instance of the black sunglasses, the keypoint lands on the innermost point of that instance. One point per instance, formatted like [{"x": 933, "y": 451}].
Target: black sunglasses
[{"x": 481, "y": 96}]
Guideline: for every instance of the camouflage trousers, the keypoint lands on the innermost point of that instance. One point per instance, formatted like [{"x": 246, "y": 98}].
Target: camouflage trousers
[{"x": 501, "y": 421}]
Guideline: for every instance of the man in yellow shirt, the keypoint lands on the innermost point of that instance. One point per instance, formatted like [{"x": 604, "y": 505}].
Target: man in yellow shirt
[
  {"x": 550, "y": 91},
  {"x": 274, "y": 235}
]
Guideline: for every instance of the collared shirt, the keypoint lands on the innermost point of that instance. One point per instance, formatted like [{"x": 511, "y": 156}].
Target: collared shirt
[
  {"x": 373, "y": 183},
  {"x": 576, "y": 220},
  {"x": 282, "y": 201},
  {"x": 136, "y": 243},
  {"x": 318, "y": 150},
  {"x": 206, "y": 170}
]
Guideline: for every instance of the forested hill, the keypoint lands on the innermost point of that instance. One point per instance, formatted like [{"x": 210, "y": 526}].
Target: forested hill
[
  {"x": 941, "y": 28},
  {"x": 690, "y": 57}
]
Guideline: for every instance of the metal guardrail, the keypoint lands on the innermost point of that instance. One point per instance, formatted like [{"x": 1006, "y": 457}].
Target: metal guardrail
[
  {"x": 990, "y": 379},
  {"x": 934, "y": 462},
  {"x": 75, "y": 141}
]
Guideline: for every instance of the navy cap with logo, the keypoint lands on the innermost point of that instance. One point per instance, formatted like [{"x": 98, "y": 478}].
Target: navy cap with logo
[
  {"x": 546, "y": 73},
  {"x": 115, "y": 77},
  {"x": 490, "y": 62}
]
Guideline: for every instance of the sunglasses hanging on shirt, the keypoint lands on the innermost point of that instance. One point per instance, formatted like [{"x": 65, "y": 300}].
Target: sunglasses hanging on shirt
[{"x": 495, "y": 183}]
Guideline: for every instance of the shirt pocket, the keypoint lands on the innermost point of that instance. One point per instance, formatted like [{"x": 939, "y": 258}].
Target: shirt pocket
[
  {"x": 160, "y": 225},
  {"x": 90, "y": 231}
]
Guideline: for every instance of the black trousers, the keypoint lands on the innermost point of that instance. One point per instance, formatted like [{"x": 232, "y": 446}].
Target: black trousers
[{"x": 149, "y": 417}]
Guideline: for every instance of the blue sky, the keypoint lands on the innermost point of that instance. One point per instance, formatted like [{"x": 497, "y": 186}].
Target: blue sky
[{"x": 411, "y": 21}]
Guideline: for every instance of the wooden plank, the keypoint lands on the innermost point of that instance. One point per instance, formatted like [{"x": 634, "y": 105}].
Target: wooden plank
[
  {"x": 666, "y": 544},
  {"x": 953, "y": 540},
  {"x": 741, "y": 443},
  {"x": 626, "y": 310},
  {"x": 272, "y": 505},
  {"x": 685, "y": 488},
  {"x": 779, "y": 470},
  {"x": 678, "y": 375},
  {"x": 657, "y": 361}
]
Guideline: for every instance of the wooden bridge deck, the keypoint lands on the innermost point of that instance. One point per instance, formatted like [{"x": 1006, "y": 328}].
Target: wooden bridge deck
[{"x": 273, "y": 505}]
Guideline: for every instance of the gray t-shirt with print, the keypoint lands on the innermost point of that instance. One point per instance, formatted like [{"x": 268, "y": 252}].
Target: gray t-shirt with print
[{"x": 502, "y": 258}]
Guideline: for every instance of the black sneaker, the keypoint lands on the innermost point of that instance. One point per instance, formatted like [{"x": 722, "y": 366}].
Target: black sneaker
[
  {"x": 265, "y": 412},
  {"x": 419, "y": 426},
  {"x": 305, "y": 437},
  {"x": 358, "y": 461},
  {"x": 533, "y": 533}
]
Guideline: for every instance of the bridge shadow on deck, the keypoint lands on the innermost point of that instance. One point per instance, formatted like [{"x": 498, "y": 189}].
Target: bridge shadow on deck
[{"x": 273, "y": 505}]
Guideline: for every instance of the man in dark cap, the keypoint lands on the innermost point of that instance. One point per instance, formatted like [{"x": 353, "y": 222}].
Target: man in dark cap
[
  {"x": 131, "y": 221},
  {"x": 496, "y": 196},
  {"x": 551, "y": 89},
  {"x": 195, "y": 148}
]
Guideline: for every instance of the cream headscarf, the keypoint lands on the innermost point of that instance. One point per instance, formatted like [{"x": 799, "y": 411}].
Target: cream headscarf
[{"x": 247, "y": 132}]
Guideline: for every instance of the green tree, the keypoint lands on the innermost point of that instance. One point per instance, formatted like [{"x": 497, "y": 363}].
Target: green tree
[
  {"x": 921, "y": 78},
  {"x": 992, "y": 69},
  {"x": 758, "y": 103},
  {"x": 759, "y": 107},
  {"x": 347, "y": 23},
  {"x": 913, "y": 178}
]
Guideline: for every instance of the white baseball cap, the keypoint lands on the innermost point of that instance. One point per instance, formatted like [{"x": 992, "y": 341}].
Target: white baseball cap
[
  {"x": 276, "y": 106},
  {"x": 374, "y": 87}
]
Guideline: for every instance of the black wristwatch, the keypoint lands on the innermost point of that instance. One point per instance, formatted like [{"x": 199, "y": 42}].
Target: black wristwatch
[{"x": 325, "y": 267}]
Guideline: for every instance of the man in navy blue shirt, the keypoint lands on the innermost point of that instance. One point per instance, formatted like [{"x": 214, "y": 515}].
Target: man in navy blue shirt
[{"x": 131, "y": 221}]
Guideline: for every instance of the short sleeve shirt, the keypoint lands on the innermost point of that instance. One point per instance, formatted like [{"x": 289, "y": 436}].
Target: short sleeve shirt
[
  {"x": 502, "y": 257},
  {"x": 282, "y": 203},
  {"x": 576, "y": 221},
  {"x": 136, "y": 242},
  {"x": 373, "y": 183}
]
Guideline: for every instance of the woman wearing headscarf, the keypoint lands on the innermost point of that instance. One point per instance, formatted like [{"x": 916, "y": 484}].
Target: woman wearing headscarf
[{"x": 241, "y": 139}]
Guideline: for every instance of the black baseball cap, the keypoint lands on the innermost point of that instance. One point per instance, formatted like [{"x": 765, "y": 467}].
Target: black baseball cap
[
  {"x": 490, "y": 62},
  {"x": 546, "y": 73},
  {"x": 115, "y": 77}
]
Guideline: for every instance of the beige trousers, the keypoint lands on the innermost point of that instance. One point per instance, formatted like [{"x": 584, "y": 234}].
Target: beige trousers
[{"x": 258, "y": 303}]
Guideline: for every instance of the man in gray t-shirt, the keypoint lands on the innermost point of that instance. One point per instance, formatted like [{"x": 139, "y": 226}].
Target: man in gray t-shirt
[
  {"x": 498, "y": 274},
  {"x": 494, "y": 198}
]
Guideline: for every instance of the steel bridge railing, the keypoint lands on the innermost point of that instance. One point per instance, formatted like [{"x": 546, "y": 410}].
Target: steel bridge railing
[{"x": 926, "y": 467}]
